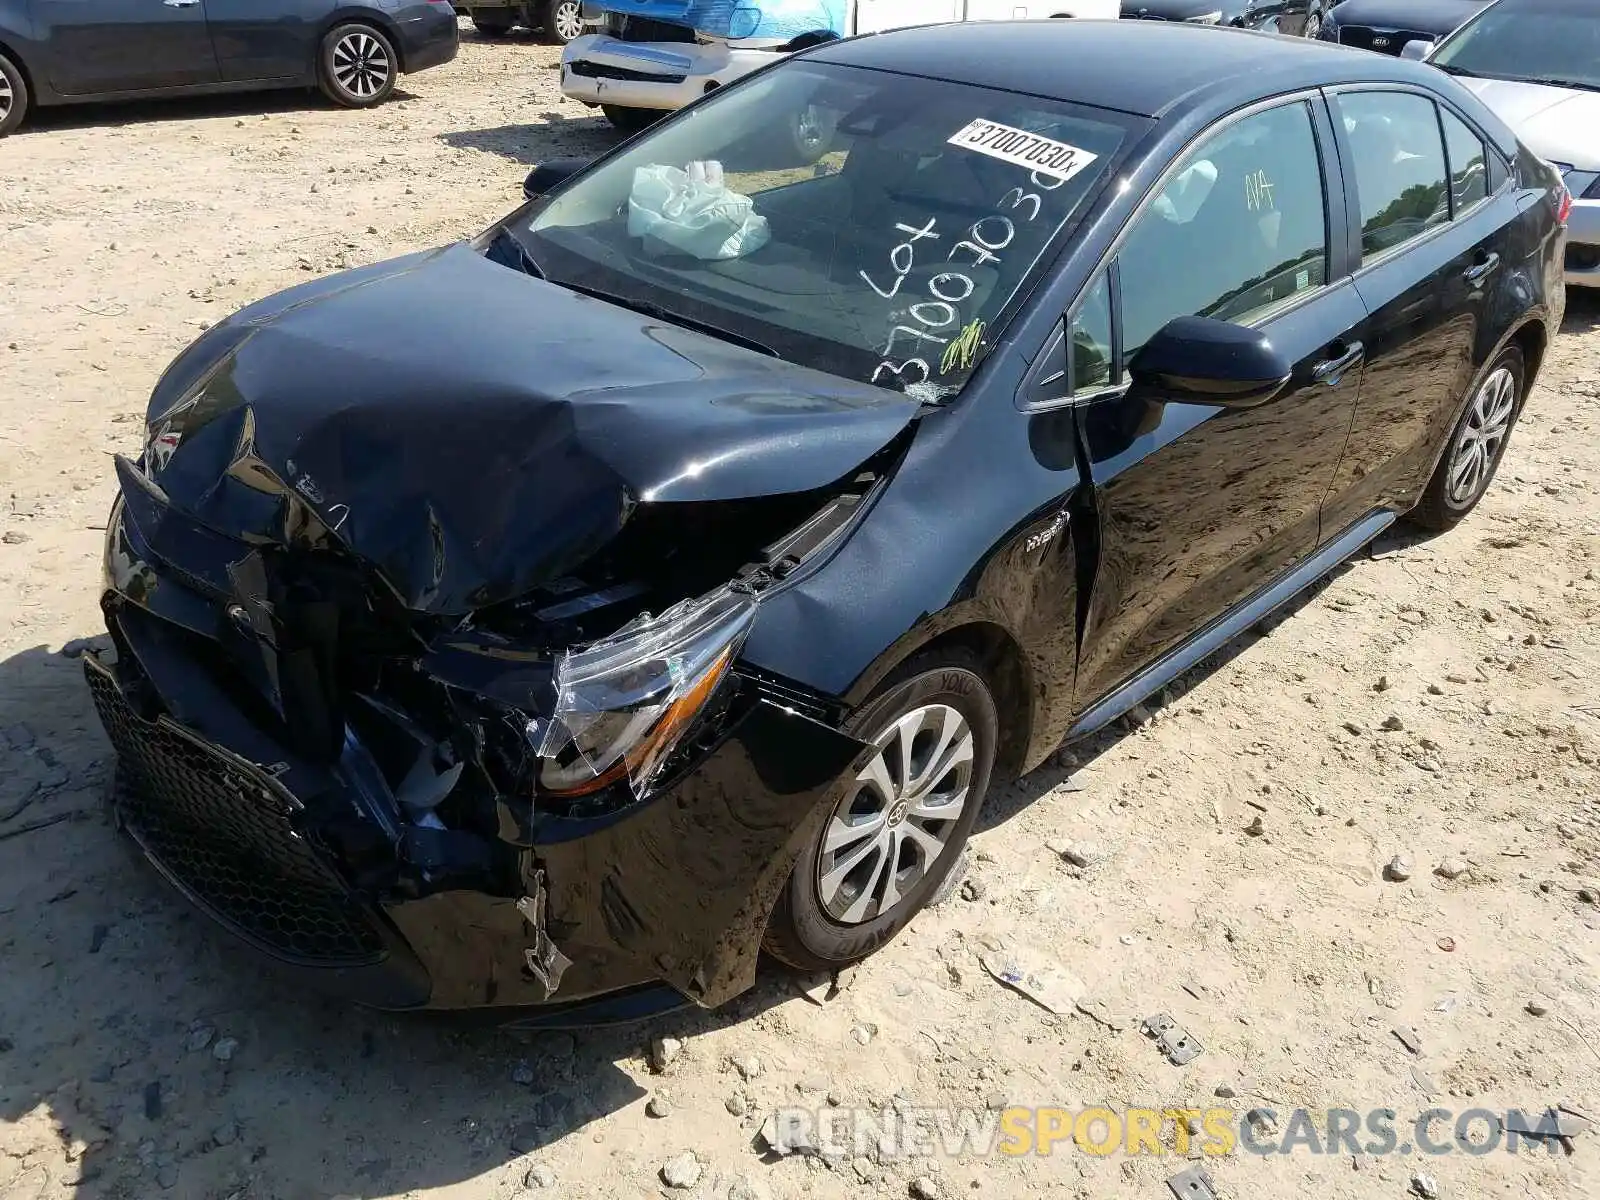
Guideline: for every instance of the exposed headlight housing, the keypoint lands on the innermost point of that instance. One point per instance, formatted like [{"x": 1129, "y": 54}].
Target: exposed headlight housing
[
  {"x": 1210, "y": 18},
  {"x": 624, "y": 703}
]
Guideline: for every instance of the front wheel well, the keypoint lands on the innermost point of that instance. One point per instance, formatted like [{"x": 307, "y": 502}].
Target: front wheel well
[{"x": 1005, "y": 670}]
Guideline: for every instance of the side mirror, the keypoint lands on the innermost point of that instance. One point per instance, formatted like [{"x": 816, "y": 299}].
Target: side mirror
[
  {"x": 549, "y": 174},
  {"x": 1416, "y": 49},
  {"x": 1212, "y": 362}
]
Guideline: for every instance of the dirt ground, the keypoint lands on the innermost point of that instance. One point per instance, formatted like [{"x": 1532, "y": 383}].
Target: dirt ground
[{"x": 1436, "y": 700}]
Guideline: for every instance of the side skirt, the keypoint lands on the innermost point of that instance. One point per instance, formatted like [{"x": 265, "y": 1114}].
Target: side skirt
[{"x": 1231, "y": 624}]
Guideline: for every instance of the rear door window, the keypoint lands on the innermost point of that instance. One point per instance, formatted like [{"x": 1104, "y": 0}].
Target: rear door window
[{"x": 1399, "y": 162}]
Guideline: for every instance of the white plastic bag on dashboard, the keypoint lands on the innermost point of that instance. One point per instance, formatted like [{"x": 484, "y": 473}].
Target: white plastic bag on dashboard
[{"x": 694, "y": 212}]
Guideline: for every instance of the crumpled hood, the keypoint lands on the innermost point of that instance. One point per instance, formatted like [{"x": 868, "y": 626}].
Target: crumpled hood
[
  {"x": 1437, "y": 17},
  {"x": 472, "y": 432},
  {"x": 1558, "y": 124}
]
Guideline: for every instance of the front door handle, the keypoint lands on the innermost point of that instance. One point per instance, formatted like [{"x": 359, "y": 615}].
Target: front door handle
[
  {"x": 1477, "y": 273},
  {"x": 1330, "y": 371},
  {"x": 181, "y": 3}
]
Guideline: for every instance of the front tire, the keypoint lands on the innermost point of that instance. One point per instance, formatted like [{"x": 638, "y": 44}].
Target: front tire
[
  {"x": 13, "y": 96},
  {"x": 493, "y": 22},
  {"x": 359, "y": 66},
  {"x": 1313, "y": 29},
  {"x": 898, "y": 827},
  {"x": 631, "y": 120},
  {"x": 562, "y": 21},
  {"x": 1477, "y": 445}
]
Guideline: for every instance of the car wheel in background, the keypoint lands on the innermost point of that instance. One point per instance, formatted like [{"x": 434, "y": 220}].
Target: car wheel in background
[
  {"x": 900, "y": 824},
  {"x": 494, "y": 22},
  {"x": 13, "y": 96},
  {"x": 358, "y": 66},
  {"x": 631, "y": 120},
  {"x": 1313, "y": 27},
  {"x": 1477, "y": 444},
  {"x": 562, "y": 21}
]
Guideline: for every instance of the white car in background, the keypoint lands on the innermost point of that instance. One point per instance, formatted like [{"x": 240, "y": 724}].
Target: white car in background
[
  {"x": 1536, "y": 63},
  {"x": 654, "y": 56}
]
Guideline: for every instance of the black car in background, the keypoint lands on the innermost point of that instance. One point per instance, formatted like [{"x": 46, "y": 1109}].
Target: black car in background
[
  {"x": 1387, "y": 25},
  {"x": 67, "y": 51},
  {"x": 1298, "y": 18},
  {"x": 561, "y": 618}
]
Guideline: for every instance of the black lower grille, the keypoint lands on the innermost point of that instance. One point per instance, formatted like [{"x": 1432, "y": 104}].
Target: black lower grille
[
  {"x": 592, "y": 70},
  {"x": 223, "y": 832}
]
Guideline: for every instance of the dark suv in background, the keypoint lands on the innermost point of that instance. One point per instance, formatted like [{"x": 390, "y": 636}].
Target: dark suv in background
[
  {"x": 66, "y": 51},
  {"x": 1387, "y": 25}
]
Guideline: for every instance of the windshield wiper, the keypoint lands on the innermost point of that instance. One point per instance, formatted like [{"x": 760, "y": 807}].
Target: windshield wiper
[
  {"x": 507, "y": 246},
  {"x": 1449, "y": 69},
  {"x": 666, "y": 314},
  {"x": 1576, "y": 85}
]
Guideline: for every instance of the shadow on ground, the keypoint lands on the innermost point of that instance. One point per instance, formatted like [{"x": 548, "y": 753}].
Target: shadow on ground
[
  {"x": 1583, "y": 311},
  {"x": 58, "y": 119},
  {"x": 553, "y": 135}
]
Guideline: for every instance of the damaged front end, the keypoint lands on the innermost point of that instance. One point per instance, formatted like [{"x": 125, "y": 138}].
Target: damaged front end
[{"x": 551, "y": 797}]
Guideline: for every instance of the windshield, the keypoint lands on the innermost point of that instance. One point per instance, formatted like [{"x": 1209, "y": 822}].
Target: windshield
[
  {"x": 874, "y": 225},
  {"x": 1541, "y": 41}
]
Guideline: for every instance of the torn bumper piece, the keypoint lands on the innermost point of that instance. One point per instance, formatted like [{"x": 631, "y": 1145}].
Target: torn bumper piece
[{"x": 329, "y": 867}]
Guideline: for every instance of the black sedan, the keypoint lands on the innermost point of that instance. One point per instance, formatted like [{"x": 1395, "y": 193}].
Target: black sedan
[
  {"x": 1297, "y": 18},
  {"x": 69, "y": 51},
  {"x": 558, "y": 619},
  {"x": 1387, "y": 25}
]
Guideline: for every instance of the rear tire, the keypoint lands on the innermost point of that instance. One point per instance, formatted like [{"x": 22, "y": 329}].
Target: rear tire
[
  {"x": 562, "y": 21},
  {"x": 1477, "y": 444},
  {"x": 850, "y": 893},
  {"x": 494, "y": 22},
  {"x": 358, "y": 66},
  {"x": 13, "y": 96},
  {"x": 631, "y": 120}
]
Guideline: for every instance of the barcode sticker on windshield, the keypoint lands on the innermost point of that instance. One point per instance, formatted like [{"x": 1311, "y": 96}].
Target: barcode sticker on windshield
[{"x": 1021, "y": 148}]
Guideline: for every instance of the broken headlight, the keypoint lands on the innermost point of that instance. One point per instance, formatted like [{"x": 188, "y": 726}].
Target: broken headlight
[{"x": 625, "y": 702}]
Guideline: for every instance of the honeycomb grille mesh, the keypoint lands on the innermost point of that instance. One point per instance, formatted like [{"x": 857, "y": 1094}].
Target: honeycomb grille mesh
[{"x": 223, "y": 833}]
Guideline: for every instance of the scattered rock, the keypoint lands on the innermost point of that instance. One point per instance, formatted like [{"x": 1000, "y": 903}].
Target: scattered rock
[
  {"x": 1399, "y": 869},
  {"x": 1393, "y": 723},
  {"x": 1408, "y": 1038},
  {"x": 13, "y": 537},
  {"x": 658, "y": 1106},
  {"x": 1083, "y": 854},
  {"x": 526, "y": 1137},
  {"x": 1451, "y": 868},
  {"x": 1139, "y": 716},
  {"x": 200, "y": 1037},
  {"x": 682, "y": 1171},
  {"x": 973, "y": 888},
  {"x": 1257, "y": 827},
  {"x": 1225, "y": 1091},
  {"x": 864, "y": 1033},
  {"x": 1262, "y": 1121},
  {"x": 748, "y": 1066},
  {"x": 1425, "y": 1185},
  {"x": 78, "y": 647},
  {"x": 167, "y": 1175},
  {"x": 522, "y": 1074},
  {"x": 1352, "y": 728},
  {"x": 1536, "y": 1008},
  {"x": 540, "y": 1175},
  {"x": 925, "y": 1187},
  {"x": 225, "y": 1049},
  {"x": 19, "y": 736},
  {"x": 1589, "y": 896},
  {"x": 225, "y": 1135},
  {"x": 1382, "y": 685},
  {"x": 664, "y": 1051},
  {"x": 1435, "y": 690},
  {"x": 1447, "y": 944},
  {"x": 737, "y": 1105}
]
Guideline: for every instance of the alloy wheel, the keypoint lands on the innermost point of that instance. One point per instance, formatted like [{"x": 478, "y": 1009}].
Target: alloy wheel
[
  {"x": 566, "y": 19},
  {"x": 361, "y": 65},
  {"x": 1481, "y": 438},
  {"x": 7, "y": 97},
  {"x": 1313, "y": 25},
  {"x": 890, "y": 829}
]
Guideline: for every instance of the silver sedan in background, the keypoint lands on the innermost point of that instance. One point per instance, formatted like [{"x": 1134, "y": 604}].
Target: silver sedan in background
[{"x": 1536, "y": 63}]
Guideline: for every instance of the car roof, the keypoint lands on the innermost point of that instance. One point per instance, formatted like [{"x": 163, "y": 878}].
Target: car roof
[{"x": 1144, "y": 67}]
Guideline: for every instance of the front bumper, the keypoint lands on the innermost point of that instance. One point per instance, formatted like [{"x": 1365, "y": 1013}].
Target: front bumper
[
  {"x": 600, "y": 69},
  {"x": 1583, "y": 245},
  {"x": 429, "y": 36},
  {"x": 662, "y": 901}
]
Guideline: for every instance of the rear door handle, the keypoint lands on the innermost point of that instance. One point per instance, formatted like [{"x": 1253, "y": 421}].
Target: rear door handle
[
  {"x": 1479, "y": 272},
  {"x": 181, "y": 3},
  {"x": 1331, "y": 370}
]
